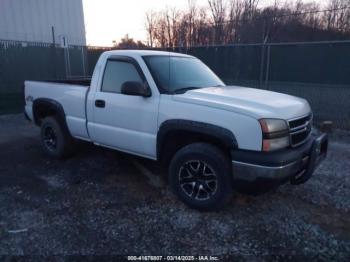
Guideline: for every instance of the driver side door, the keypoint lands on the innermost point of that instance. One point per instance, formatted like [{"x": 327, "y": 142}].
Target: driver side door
[{"x": 124, "y": 122}]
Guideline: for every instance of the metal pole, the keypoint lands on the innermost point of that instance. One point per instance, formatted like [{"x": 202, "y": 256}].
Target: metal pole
[
  {"x": 54, "y": 51},
  {"x": 66, "y": 57},
  {"x": 262, "y": 65},
  {"x": 267, "y": 67},
  {"x": 65, "y": 61},
  {"x": 68, "y": 61},
  {"x": 262, "y": 55},
  {"x": 53, "y": 35},
  {"x": 83, "y": 59}
]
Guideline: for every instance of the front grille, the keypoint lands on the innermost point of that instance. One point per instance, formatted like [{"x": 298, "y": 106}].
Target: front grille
[{"x": 300, "y": 130}]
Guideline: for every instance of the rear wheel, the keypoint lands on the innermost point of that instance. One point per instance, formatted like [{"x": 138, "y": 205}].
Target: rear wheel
[
  {"x": 55, "y": 138},
  {"x": 199, "y": 174}
]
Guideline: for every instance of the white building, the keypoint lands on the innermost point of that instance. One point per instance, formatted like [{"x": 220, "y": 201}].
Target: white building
[{"x": 33, "y": 20}]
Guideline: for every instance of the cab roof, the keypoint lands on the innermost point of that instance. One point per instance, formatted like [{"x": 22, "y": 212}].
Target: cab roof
[{"x": 145, "y": 53}]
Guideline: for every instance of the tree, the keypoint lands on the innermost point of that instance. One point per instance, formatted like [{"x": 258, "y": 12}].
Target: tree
[
  {"x": 192, "y": 13},
  {"x": 235, "y": 13},
  {"x": 339, "y": 20},
  {"x": 244, "y": 21},
  {"x": 218, "y": 12},
  {"x": 150, "y": 26},
  {"x": 128, "y": 43}
]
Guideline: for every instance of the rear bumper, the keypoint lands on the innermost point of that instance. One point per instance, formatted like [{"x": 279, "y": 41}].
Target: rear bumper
[{"x": 296, "y": 165}]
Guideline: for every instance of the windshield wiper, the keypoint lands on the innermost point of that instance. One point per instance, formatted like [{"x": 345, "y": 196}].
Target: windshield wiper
[{"x": 185, "y": 89}]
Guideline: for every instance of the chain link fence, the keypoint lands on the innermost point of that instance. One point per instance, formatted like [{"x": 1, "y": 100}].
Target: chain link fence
[
  {"x": 316, "y": 71},
  {"x": 20, "y": 61}
]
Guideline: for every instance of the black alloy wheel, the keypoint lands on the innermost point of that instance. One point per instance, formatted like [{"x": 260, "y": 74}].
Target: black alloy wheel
[
  {"x": 200, "y": 175},
  {"x": 198, "y": 180},
  {"x": 50, "y": 138}
]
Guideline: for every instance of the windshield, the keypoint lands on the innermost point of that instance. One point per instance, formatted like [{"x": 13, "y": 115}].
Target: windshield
[{"x": 175, "y": 74}]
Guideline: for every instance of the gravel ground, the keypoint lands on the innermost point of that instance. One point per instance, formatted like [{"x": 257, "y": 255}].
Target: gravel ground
[{"x": 102, "y": 202}]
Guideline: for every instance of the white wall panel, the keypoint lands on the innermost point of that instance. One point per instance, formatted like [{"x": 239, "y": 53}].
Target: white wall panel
[{"x": 31, "y": 20}]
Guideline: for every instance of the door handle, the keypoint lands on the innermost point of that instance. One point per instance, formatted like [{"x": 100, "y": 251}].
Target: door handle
[{"x": 100, "y": 103}]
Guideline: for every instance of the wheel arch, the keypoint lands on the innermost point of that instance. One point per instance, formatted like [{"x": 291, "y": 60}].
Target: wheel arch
[
  {"x": 174, "y": 134},
  {"x": 44, "y": 107}
]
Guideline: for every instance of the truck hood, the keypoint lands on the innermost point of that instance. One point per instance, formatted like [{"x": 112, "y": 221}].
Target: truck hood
[{"x": 256, "y": 103}]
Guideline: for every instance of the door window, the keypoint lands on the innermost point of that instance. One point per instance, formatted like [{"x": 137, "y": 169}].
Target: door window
[{"x": 117, "y": 73}]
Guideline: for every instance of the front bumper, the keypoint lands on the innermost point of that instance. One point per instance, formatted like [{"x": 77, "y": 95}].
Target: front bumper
[{"x": 296, "y": 164}]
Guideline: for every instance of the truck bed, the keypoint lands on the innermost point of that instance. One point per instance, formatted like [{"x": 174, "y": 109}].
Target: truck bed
[
  {"x": 75, "y": 81},
  {"x": 71, "y": 94}
]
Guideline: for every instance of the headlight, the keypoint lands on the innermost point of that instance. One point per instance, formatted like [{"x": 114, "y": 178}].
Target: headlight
[{"x": 275, "y": 134}]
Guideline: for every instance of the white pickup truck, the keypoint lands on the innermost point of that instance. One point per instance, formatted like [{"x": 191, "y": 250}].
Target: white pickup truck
[{"x": 172, "y": 108}]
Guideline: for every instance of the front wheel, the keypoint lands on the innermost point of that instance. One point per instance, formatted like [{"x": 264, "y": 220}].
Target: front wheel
[{"x": 199, "y": 175}]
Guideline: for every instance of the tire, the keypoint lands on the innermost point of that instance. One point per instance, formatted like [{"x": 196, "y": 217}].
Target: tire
[
  {"x": 200, "y": 175},
  {"x": 55, "y": 138}
]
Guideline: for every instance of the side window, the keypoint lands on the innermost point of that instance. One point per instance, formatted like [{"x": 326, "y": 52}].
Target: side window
[{"x": 117, "y": 73}]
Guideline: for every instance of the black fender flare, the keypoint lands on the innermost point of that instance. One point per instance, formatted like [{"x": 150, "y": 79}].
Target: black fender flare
[
  {"x": 50, "y": 104},
  {"x": 225, "y": 136}
]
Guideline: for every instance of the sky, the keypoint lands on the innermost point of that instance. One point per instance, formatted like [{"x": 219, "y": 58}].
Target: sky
[{"x": 108, "y": 20}]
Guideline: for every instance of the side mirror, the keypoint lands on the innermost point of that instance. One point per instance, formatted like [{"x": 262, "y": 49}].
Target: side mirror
[{"x": 134, "y": 88}]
